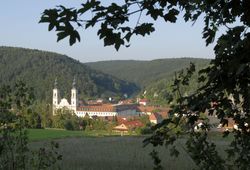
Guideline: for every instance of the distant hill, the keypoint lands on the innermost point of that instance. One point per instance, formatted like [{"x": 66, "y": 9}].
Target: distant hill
[
  {"x": 40, "y": 68},
  {"x": 159, "y": 92},
  {"x": 144, "y": 73}
]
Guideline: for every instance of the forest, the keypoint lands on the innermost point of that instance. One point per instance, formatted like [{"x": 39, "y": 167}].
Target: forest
[
  {"x": 39, "y": 69},
  {"x": 144, "y": 73},
  {"x": 155, "y": 78}
]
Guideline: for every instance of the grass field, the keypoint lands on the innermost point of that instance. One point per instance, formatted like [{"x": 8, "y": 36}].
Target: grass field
[
  {"x": 94, "y": 151},
  {"x": 113, "y": 153},
  {"x": 45, "y": 134}
]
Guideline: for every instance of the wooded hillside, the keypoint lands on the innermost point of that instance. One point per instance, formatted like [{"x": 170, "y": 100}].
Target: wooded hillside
[
  {"x": 39, "y": 69},
  {"x": 143, "y": 73},
  {"x": 155, "y": 78}
]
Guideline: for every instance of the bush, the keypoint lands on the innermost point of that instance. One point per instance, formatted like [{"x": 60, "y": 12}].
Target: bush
[
  {"x": 65, "y": 119},
  {"x": 143, "y": 130},
  {"x": 68, "y": 125}
]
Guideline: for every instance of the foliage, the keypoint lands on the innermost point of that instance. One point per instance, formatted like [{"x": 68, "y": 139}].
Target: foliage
[
  {"x": 68, "y": 125},
  {"x": 143, "y": 130},
  {"x": 198, "y": 146},
  {"x": 185, "y": 114},
  {"x": 146, "y": 129},
  {"x": 39, "y": 69},
  {"x": 157, "y": 160},
  {"x": 113, "y": 18},
  {"x": 14, "y": 151},
  {"x": 99, "y": 124},
  {"x": 45, "y": 158},
  {"x": 44, "y": 111},
  {"x": 146, "y": 73},
  {"x": 154, "y": 76},
  {"x": 226, "y": 88},
  {"x": 66, "y": 119},
  {"x": 160, "y": 92},
  {"x": 144, "y": 119}
]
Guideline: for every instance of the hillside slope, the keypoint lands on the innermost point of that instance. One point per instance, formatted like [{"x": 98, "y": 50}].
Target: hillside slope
[
  {"x": 143, "y": 73},
  {"x": 39, "y": 70}
]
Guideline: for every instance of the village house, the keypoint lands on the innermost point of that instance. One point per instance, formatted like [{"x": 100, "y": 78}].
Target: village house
[
  {"x": 155, "y": 118},
  {"x": 143, "y": 102},
  {"x": 125, "y": 126},
  {"x": 148, "y": 110}
]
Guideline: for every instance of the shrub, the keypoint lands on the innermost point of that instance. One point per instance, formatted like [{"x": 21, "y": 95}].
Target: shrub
[
  {"x": 146, "y": 130},
  {"x": 65, "y": 119},
  {"x": 68, "y": 125}
]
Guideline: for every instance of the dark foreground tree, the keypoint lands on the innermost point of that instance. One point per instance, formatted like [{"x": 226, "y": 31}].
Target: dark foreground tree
[
  {"x": 226, "y": 89},
  {"x": 15, "y": 153}
]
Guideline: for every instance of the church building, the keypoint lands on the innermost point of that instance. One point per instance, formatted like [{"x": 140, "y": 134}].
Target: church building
[
  {"x": 59, "y": 103},
  {"x": 101, "y": 110}
]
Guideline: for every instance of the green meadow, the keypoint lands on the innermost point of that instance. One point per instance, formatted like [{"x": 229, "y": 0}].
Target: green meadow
[
  {"x": 46, "y": 134},
  {"x": 95, "y": 150}
]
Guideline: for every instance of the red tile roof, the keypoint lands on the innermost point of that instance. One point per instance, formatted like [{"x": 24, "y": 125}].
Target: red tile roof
[
  {"x": 164, "y": 114},
  {"x": 152, "y": 117},
  {"x": 163, "y": 111},
  {"x": 121, "y": 127},
  {"x": 128, "y": 101},
  {"x": 99, "y": 108},
  {"x": 143, "y": 100},
  {"x": 155, "y": 116},
  {"x": 133, "y": 123},
  {"x": 145, "y": 108}
]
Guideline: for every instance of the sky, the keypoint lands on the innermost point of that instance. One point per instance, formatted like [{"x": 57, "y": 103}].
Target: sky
[{"x": 20, "y": 28}]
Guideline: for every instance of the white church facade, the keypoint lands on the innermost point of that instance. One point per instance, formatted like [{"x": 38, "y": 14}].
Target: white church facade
[
  {"x": 102, "y": 110},
  {"x": 59, "y": 103}
]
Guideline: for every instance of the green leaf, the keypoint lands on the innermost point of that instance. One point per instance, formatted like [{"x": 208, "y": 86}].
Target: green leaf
[
  {"x": 155, "y": 13},
  {"x": 128, "y": 36},
  {"x": 124, "y": 29},
  {"x": 51, "y": 26},
  {"x": 87, "y": 6},
  {"x": 61, "y": 35},
  {"x": 143, "y": 29},
  {"x": 171, "y": 15},
  {"x": 44, "y": 19},
  {"x": 209, "y": 35},
  {"x": 77, "y": 35},
  {"x": 72, "y": 40}
]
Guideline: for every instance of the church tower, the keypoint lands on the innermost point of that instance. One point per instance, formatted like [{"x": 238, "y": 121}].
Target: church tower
[
  {"x": 74, "y": 101},
  {"x": 56, "y": 97}
]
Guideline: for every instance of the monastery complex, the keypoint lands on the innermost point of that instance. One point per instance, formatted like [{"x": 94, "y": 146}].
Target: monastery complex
[{"x": 99, "y": 110}]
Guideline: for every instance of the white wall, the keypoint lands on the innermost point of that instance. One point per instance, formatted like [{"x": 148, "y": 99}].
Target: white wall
[{"x": 99, "y": 114}]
